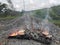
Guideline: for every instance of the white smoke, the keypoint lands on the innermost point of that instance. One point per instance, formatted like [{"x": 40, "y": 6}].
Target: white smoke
[{"x": 32, "y": 4}]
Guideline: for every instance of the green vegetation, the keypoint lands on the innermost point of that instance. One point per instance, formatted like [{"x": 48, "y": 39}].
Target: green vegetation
[
  {"x": 8, "y": 17},
  {"x": 6, "y": 13},
  {"x": 54, "y": 13},
  {"x": 40, "y": 13},
  {"x": 57, "y": 22}
]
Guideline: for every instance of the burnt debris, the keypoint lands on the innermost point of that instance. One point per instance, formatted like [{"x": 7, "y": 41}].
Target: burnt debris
[{"x": 39, "y": 37}]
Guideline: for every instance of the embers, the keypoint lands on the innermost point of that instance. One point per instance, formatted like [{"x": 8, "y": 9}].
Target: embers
[{"x": 32, "y": 36}]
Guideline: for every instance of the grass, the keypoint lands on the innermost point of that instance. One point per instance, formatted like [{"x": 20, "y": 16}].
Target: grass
[
  {"x": 57, "y": 22},
  {"x": 8, "y": 17}
]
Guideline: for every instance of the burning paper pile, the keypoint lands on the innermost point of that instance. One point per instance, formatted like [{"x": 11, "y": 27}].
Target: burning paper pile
[
  {"x": 20, "y": 32},
  {"x": 43, "y": 37}
]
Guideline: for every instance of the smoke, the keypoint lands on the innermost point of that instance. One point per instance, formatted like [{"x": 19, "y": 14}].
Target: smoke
[
  {"x": 18, "y": 5},
  {"x": 10, "y": 4},
  {"x": 45, "y": 22}
]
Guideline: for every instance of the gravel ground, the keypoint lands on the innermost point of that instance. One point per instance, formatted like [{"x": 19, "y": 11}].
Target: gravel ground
[
  {"x": 22, "y": 42},
  {"x": 7, "y": 28}
]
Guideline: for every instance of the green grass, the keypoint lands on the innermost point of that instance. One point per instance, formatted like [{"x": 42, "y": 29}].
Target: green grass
[
  {"x": 57, "y": 22},
  {"x": 9, "y": 17}
]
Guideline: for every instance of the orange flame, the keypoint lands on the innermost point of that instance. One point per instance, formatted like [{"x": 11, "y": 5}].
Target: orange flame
[
  {"x": 20, "y": 32},
  {"x": 45, "y": 32}
]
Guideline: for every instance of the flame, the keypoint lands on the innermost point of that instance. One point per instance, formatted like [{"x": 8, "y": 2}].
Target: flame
[
  {"x": 45, "y": 32},
  {"x": 20, "y": 32}
]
